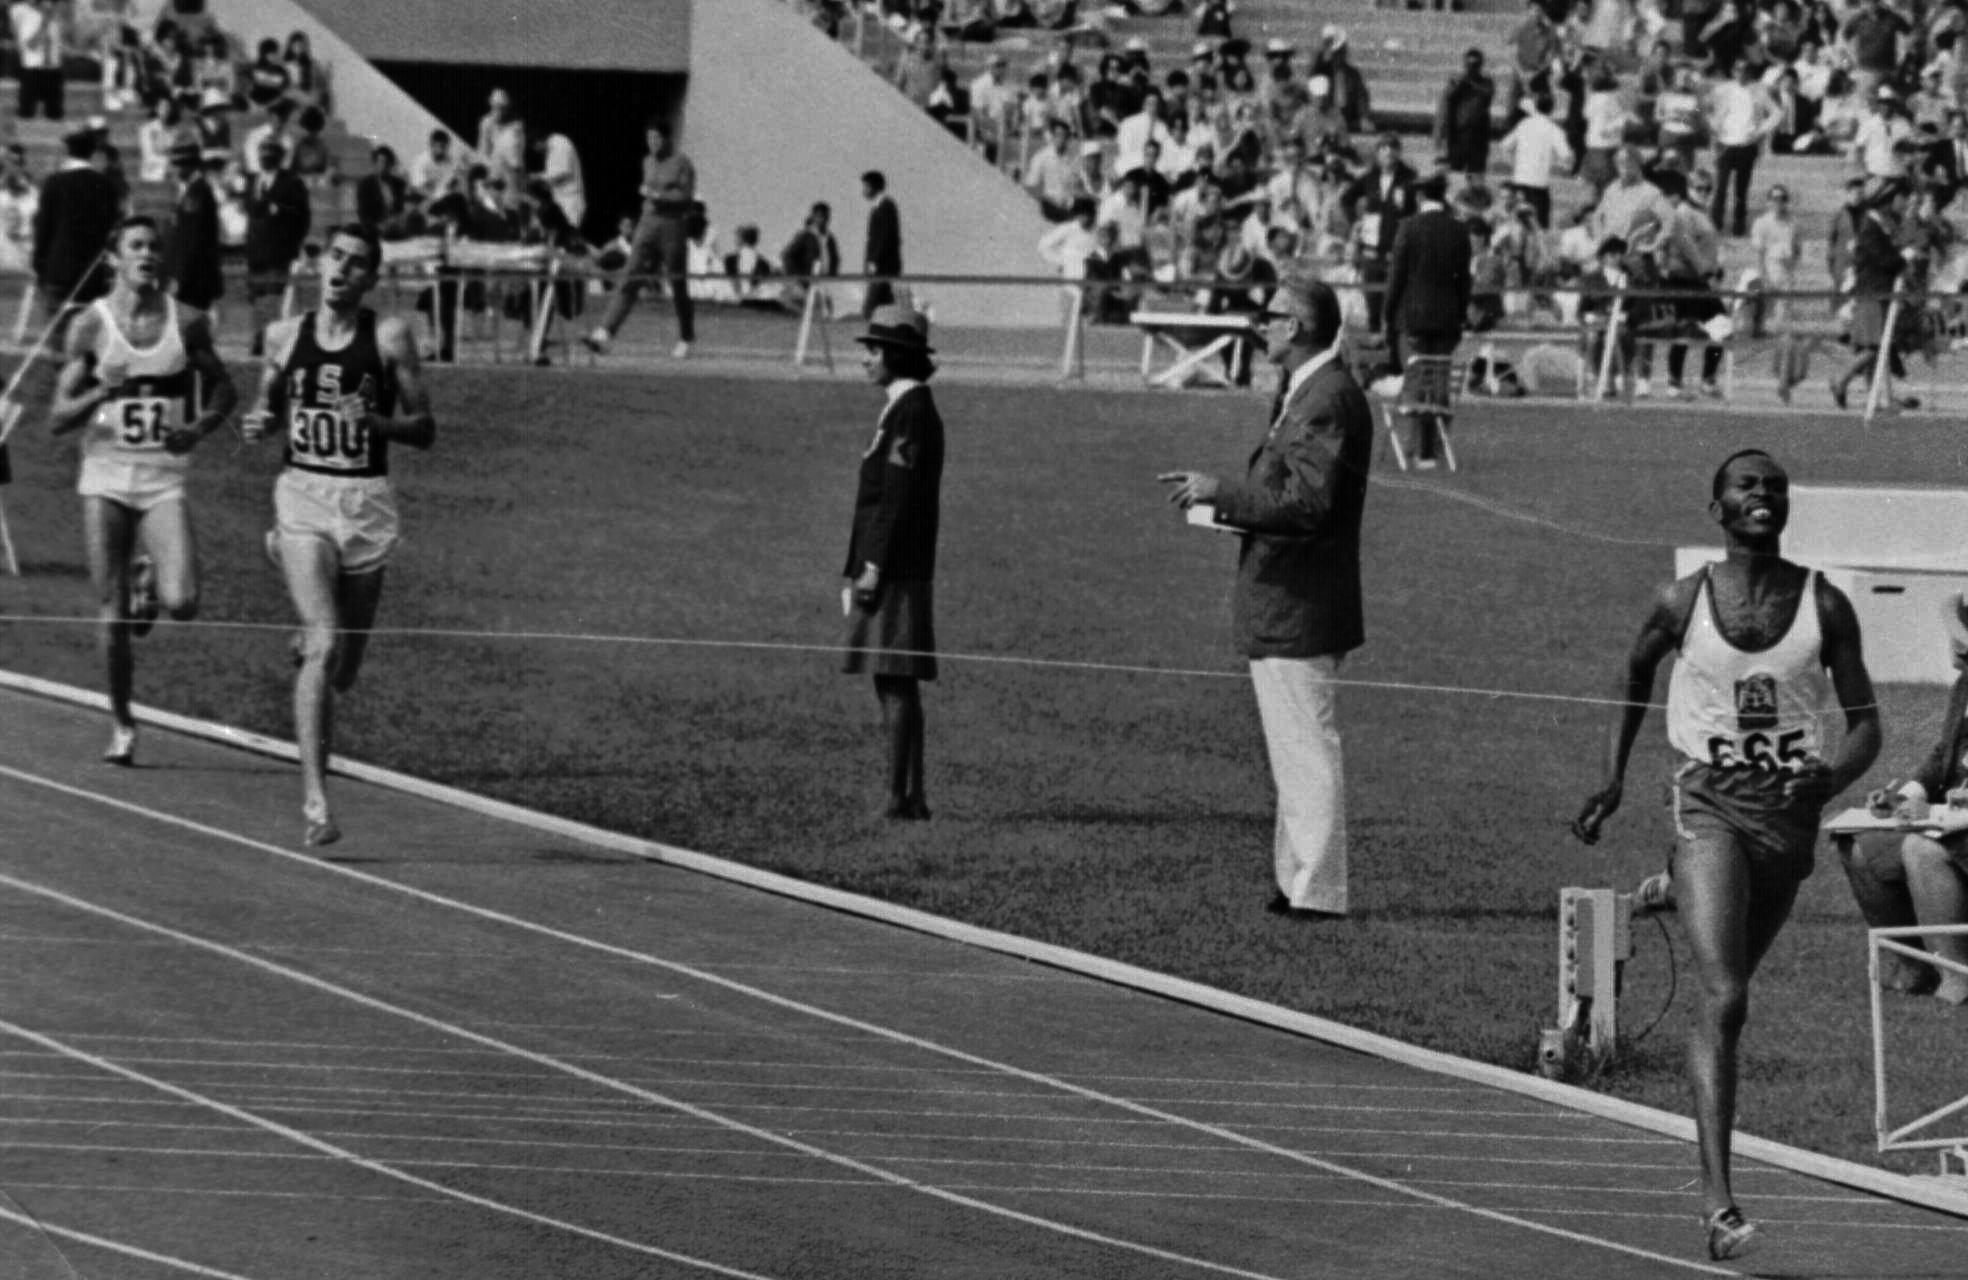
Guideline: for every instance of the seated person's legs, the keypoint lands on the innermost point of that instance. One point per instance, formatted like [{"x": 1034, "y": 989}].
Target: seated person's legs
[
  {"x": 1875, "y": 869},
  {"x": 1937, "y": 881}
]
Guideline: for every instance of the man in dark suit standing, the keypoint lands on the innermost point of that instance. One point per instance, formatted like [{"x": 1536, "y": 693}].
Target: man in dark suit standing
[
  {"x": 78, "y": 209},
  {"x": 278, "y": 216},
  {"x": 191, "y": 247},
  {"x": 1297, "y": 605},
  {"x": 884, "y": 250},
  {"x": 1427, "y": 293},
  {"x": 1377, "y": 202}
]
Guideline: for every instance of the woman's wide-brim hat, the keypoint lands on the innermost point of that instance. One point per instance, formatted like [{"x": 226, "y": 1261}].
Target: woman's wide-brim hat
[{"x": 903, "y": 328}]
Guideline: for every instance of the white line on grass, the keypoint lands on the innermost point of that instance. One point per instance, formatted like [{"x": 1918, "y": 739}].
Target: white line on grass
[
  {"x": 646, "y": 1095},
  {"x": 115, "y": 1246},
  {"x": 329, "y": 1148},
  {"x": 777, "y": 1001}
]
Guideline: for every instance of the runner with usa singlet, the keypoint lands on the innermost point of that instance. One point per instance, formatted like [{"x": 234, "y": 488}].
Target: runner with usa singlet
[
  {"x": 341, "y": 385},
  {"x": 1771, "y": 708}
]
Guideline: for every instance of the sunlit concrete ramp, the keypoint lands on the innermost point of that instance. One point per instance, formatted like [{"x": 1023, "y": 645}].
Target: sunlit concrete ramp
[{"x": 474, "y": 1044}]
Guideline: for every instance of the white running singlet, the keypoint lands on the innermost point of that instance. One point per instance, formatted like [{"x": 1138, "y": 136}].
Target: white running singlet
[
  {"x": 1773, "y": 709},
  {"x": 155, "y": 399}
]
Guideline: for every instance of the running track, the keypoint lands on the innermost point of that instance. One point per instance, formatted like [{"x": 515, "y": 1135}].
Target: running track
[{"x": 466, "y": 1049}]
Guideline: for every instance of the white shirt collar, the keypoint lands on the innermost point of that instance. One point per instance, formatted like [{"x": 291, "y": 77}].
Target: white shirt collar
[
  {"x": 899, "y": 388},
  {"x": 1303, "y": 374}
]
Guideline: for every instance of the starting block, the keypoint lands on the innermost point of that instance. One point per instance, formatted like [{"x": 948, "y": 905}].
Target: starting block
[
  {"x": 1197, "y": 342},
  {"x": 1595, "y": 940}
]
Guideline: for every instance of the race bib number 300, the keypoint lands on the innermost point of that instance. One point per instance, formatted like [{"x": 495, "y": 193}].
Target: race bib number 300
[{"x": 325, "y": 438}]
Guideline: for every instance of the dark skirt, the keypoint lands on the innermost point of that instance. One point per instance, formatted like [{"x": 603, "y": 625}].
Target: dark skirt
[
  {"x": 895, "y": 638},
  {"x": 1868, "y": 321}
]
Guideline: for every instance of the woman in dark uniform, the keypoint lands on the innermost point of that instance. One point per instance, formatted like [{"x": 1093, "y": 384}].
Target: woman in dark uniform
[
  {"x": 1877, "y": 264},
  {"x": 891, "y": 556}
]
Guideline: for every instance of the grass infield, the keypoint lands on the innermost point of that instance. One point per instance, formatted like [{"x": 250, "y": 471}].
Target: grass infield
[{"x": 1124, "y": 813}]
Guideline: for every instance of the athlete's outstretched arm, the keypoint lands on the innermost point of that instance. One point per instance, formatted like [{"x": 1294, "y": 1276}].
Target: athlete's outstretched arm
[
  {"x": 1660, "y": 635},
  {"x": 78, "y": 391},
  {"x": 1844, "y": 658},
  {"x": 415, "y": 427},
  {"x": 221, "y": 396}
]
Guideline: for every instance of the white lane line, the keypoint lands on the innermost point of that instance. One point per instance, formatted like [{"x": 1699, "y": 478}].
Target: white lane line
[
  {"x": 363, "y": 1162},
  {"x": 790, "y": 1086},
  {"x": 73, "y": 1236},
  {"x": 172, "y": 1189},
  {"x": 314, "y": 1046},
  {"x": 801, "y": 1007},
  {"x": 646, "y": 1095}
]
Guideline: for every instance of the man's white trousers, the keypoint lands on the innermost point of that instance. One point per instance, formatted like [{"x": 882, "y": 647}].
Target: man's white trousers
[{"x": 1297, "y": 698}]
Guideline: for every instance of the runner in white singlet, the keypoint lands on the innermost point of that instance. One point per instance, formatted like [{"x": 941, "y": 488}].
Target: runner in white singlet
[
  {"x": 137, "y": 364},
  {"x": 1772, "y": 712}
]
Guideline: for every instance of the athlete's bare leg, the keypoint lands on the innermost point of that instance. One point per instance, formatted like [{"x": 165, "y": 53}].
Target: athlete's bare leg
[
  {"x": 109, "y": 533},
  {"x": 357, "y": 596},
  {"x": 311, "y": 569},
  {"x": 165, "y": 534},
  {"x": 1730, "y": 925}
]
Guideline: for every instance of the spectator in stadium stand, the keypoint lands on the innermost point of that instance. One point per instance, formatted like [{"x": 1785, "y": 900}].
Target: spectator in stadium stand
[
  {"x": 811, "y": 252},
  {"x": 1740, "y": 116},
  {"x": 993, "y": 102},
  {"x": 435, "y": 173},
  {"x": 72, "y": 221},
  {"x": 1779, "y": 247},
  {"x": 1872, "y": 35},
  {"x": 1296, "y": 606},
  {"x": 1691, "y": 261},
  {"x": 502, "y": 139},
  {"x": 1795, "y": 132},
  {"x": 973, "y": 21},
  {"x": 882, "y": 250},
  {"x": 1293, "y": 186},
  {"x": 1428, "y": 283},
  {"x": 1605, "y": 128},
  {"x": 1319, "y": 127},
  {"x": 382, "y": 197},
  {"x": 267, "y": 81},
  {"x": 1233, "y": 74},
  {"x": 560, "y": 168},
  {"x": 275, "y": 126},
  {"x": 154, "y": 138},
  {"x": 1377, "y": 203},
  {"x": 891, "y": 557},
  {"x": 1334, "y": 61},
  {"x": 1843, "y": 233},
  {"x": 1065, "y": 247},
  {"x": 309, "y": 156},
  {"x": 1137, "y": 130},
  {"x": 1878, "y": 262},
  {"x": 1462, "y": 117},
  {"x": 1213, "y": 20},
  {"x": 1600, "y": 290},
  {"x": 1284, "y": 91},
  {"x": 278, "y": 217},
  {"x": 40, "y": 46},
  {"x": 1123, "y": 208},
  {"x": 1053, "y": 174},
  {"x": 919, "y": 70},
  {"x": 1534, "y": 47},
  {"x": 1946, "y": 163},
  {"x": 1879, "y": 148},
  {"x": 191, "y": 242},
  {"x": 309, "y": 81},
  {"x": 669, "y": 188},
  {"x": 1536, "y": 151}
]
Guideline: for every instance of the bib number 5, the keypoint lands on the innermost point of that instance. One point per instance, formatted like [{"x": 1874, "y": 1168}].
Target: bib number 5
[{"x": 1782, "y": 752}]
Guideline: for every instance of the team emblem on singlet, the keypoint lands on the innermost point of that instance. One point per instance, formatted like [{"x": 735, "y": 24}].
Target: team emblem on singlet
[{"x": 1756, "y": 702}]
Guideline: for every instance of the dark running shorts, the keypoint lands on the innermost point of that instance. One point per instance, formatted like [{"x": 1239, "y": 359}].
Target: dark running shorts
[{"x": 1744, "y": 808}]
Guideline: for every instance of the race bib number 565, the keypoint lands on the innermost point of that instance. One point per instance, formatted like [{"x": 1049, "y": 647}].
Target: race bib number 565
[{"x": 1783, "y": 752}]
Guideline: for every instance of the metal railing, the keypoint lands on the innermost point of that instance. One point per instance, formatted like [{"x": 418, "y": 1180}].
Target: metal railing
[{"x": 1903, "y": 943}]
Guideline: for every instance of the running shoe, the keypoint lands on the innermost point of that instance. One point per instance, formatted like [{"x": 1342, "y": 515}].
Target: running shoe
[
  {"x": 681, "y": 351},
  {"x": 143, "y": 595},
  {"x": 318, "y": 827},
  {"x": 1654, "y": 895},
  {"x": 1730, "y": 1234},
  {"x": 596, "y": 341},
  {"x": 122, "y": 746}
]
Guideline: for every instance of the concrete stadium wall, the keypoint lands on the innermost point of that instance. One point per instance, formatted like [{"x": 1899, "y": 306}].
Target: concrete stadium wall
[
  {"x": 369, "y": 103},
  {"x": 778, "y": 116}
]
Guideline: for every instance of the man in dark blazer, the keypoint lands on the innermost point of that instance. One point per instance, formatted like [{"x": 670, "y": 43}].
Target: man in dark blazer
[
  {"x": 1297, "y": 604},
  {"x": 191, "y": 246},
  {"x": 1376, "y": 203},
  {"x": 78, "y": 209},
  {"x": 278, "y": 217},
  {"x": 1427, "y": 293},
  {"x": 883, "y": 256}
]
